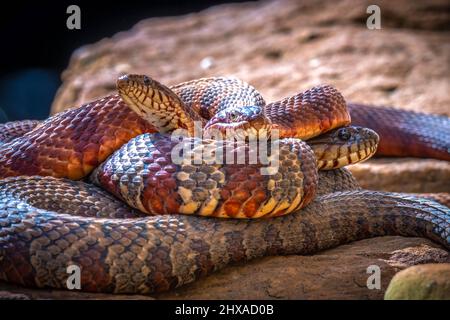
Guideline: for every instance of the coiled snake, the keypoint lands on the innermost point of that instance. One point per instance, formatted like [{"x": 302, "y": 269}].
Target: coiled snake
[{"x": 48, "y": 221}]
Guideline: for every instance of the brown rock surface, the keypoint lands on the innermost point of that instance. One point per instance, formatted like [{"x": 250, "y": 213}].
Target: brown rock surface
[
  {"x": 339, "y": 273},
  {"x": 283, "y": 47},
  {"x": 403, "y": 175},
  {"x": 423, "y": 282}
]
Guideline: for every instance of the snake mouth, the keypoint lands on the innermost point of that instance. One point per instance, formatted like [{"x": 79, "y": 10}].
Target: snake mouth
[
  {"x": 134, "y": 87},
  {"x": 240, "y": 123},
  {"x": 140, "y": 93},
  {"x": 344, "y": 146},
  {"x": 362, "y": 154}
]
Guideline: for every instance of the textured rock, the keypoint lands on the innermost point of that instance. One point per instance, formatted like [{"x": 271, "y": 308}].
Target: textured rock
[
  {"x": 283, "y": 47},
  {"x": 339, "y": 273},
  {"x": 403, "y": 175},
  {"x": 423, "y": 282}
]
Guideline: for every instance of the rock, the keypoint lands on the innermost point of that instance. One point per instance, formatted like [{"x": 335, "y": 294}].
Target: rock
[
  {"x": 12, "y": 292},
  {"x": 6, "y": 295},
  {"x": 283, "y": 47},
  {"x": 339, "y": 273},
  {"x": 403, "y": 175},
  {"x": 423, "y": 282}
]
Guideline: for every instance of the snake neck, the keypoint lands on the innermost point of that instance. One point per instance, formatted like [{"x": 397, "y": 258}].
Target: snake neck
[
  {"x": 336, "y": 180},
  {"x": 209, "y": 96},
  {"x": 309, "y": 113}
]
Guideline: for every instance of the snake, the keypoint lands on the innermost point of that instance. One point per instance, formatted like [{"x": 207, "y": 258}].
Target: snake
[
  {"x": 127, "y": 236},
  {"x": 405, "y": 133}
]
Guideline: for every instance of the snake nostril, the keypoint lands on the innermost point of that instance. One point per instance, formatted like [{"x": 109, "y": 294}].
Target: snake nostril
[
  {"x": 123, "y": 78},
  {"x": 122, "y": 82}
]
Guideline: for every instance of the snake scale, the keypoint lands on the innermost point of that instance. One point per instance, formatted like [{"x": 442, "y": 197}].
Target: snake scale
[{"x": 48, "y": 221}]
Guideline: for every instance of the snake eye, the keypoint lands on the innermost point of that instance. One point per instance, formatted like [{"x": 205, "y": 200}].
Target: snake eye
[
  {"x": 344, "y": 134},
  {"x": 233, "y": 116},
  {"x": 146, "y": 80}
]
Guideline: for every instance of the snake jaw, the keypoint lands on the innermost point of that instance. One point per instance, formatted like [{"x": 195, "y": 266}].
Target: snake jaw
[
  {"x": 242, "y": 123},
  {"x": 344, "y": 146}
]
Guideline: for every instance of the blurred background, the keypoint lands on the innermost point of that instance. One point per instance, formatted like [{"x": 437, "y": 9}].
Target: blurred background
[
  {"x": 279, "y": 46},
  {"x": 37, "y": 45}
]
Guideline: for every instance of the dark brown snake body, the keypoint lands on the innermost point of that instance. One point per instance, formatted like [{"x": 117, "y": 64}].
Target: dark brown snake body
[
  {"x": 48, "y": 223},
  {"x": 405, "y": 133},
  {"x": 152, "y": 254}
]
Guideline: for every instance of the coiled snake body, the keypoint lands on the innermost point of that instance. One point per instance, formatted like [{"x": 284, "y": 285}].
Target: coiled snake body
[{"x": 49, "y": 223}]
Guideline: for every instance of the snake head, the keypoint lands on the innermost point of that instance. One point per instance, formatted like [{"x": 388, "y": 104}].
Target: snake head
[
  {"x": 242, "y": 122},
  {"x": 344, "y": 146},
  {"x": 138, "y": 87},
  {"x": 154, "y": 102}
]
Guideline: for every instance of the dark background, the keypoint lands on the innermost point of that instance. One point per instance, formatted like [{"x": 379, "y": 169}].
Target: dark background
[{"x": 36, "y": 44}]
